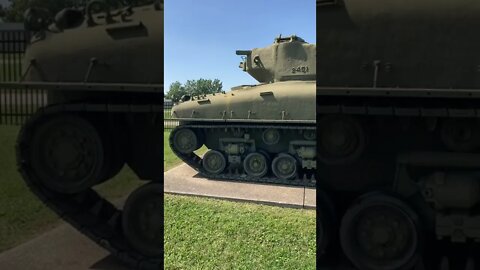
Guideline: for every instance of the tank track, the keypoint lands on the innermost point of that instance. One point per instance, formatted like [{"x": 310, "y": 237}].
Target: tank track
[
  {"x": 87, "y": 211},
  {"x": 193, "y": 160},
  {"x": 425, "y": 107}
]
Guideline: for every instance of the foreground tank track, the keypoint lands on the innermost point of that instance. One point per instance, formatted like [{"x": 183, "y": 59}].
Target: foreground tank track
[
  {"x": 425, "y": 106},
  {"x": 306, "y": 179},
  {"x": 87, "y": 211}
]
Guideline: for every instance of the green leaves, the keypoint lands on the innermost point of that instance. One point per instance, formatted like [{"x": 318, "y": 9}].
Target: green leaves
[
  {"x": 194, "y": 88},
  {"x": 15, "y": 12}
]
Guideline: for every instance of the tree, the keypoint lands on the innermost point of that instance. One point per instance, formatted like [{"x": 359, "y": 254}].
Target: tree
[
  {"x": 203, "y": 87},
  {"x": 176, "y": 91},
  {"x": 17, "y": 8},
  {"x": 193, "y": 88},
  {"x": 2, "y": 11}
]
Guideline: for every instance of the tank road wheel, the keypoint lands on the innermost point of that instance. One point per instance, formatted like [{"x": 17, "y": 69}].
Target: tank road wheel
[
  {"x": 341, "y": 138},
  {"x": 67, "y": 154},
  {"x": 214, "y": 162},
  {"x": 381, "y": 232},
  {"x": 185, "y": 140},
  {"x": 284, "y": 166},
  {"x": 255, "y": 164},
  {"x": 310, "y": 135},
  {"x": 142, "y": 219},
  {"x": 461, "y": 135},
  {"x": 271, "y": 136}
]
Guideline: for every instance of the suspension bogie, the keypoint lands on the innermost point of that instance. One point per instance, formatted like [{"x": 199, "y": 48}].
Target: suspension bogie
[{"x": 253, "y": 153}]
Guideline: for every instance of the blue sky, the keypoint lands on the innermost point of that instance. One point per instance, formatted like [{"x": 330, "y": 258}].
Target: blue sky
[{"x": 201, "y": 36}]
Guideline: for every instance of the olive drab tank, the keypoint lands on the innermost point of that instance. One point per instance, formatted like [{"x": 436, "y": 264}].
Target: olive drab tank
[
  {"x": 398, "y": 133},
  {"x": 260, "y": 133},
  {"x": 101, "y": 68}
]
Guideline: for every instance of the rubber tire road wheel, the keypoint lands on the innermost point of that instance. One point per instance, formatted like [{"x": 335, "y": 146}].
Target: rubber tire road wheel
[
  {"x": 381, "y": 232},
  {"x": 185, "y": 140},
  {"x": 66, "y": 153},
  {"x": 142, "y": 219},
  {"x": 214, "y": 162},
  {"x": 255, "y": 164},
  {"x": 287, "y": 163}
]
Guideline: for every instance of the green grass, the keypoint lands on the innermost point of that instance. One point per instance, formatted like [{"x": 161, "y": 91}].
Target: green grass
[
  {"x": 212, "y": 234},
  {"x": 169, "y": 158},
  {"x": 22, "y": 215},
  {"x": 167, "y": 114}
]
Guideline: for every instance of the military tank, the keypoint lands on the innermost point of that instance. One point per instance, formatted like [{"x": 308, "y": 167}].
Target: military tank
[
  {"x": 397, "y": 126},
  {"x": 256, "y": 133},
  {"x": 102, "y": 70}
]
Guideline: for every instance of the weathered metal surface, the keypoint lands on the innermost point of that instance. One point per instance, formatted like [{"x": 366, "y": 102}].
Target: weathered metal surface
[
  {"x": 398, "y": 134},
  {"x": 100, "y": 52},
  {"x": 260, "y": 133},
  {"x": 101, "y": 76},
  {"x": 407, "y": 44}
]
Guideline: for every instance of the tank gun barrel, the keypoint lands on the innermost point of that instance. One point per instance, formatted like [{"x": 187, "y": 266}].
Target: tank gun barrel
[{"x": 244, "y": 52}]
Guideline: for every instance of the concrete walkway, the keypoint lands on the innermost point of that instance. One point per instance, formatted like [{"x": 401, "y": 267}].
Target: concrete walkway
[
  {"x": 184, "y": 180},
  {"x": 65, "y": 248},
  {"x": 58, "y": 249}
]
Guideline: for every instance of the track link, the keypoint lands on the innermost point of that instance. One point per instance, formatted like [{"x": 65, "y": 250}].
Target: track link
[
  {"x": 87, "y": 211},
  {"x": 306, "y": 179}
]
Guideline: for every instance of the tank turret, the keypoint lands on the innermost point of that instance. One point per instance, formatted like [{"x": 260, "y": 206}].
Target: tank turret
[{"x": 288, "y": 58}]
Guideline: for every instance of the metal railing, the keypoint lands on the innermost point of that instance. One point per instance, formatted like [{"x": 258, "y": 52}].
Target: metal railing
[
  {"x": 16, "y": 104},
  {"x": 168, "y": 122}
]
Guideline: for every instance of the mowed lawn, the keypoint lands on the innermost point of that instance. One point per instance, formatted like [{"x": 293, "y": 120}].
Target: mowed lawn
[
  {"x": 205, "y": 233},
  {"x": 212, "y": 234},
  {"x": 22, "y": 216}
]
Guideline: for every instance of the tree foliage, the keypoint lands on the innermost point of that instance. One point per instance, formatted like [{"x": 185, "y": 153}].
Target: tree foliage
[
  {"x": 17, "y": 8},
  {"x": 193, "y": 88},
  {"x": 2, "y": 11}
]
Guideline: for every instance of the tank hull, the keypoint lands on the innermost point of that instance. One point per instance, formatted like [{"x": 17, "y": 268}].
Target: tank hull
[
  {"x": 270, "y": 124},
  {"x": 275, "y": 102},
  {"x": 101, "y": 53},
  {"x": 398, "y": 85}
]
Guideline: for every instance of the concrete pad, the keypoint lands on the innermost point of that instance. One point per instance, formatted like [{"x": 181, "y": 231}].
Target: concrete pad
[
  {"x": 60, "y": 248},
  {"x": 184, "y": 180}
]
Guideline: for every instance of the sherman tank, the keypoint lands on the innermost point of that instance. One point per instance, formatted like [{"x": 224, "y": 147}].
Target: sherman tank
[
  {"x": 256, "y": 133},
  {"x": 102, "y": 69},
  {"x": 398, "y": 134}
]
